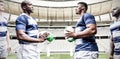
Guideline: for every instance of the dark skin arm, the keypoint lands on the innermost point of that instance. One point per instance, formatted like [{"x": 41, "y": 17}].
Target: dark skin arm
[
  {"x": 90, "y": 30},
  {"x": 112, "y": 49},
  {"x": 23, "y": 36}
]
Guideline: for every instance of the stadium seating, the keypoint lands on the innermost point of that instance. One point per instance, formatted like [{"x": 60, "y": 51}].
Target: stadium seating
[{"x": 55, "y": 18}]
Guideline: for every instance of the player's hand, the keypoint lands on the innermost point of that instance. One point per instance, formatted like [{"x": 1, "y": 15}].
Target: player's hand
[
  {"x": 8, "y": 49},
  {"x": 69, "y": 34},
  {"x": 45, "y": 34},
  {"x": 42, "y": 38}
]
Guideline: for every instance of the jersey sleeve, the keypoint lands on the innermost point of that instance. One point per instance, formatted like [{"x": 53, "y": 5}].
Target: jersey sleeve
[
  {"x": 89, "y": 19},
  {"x": 21, "y": 23}
]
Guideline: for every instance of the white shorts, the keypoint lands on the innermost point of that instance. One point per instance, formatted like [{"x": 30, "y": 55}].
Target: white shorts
[
  {"x": 28, "y": 51},
  {"x": 3, "y": 49},
  {"x": 86, "y": 55},
  {"x": 116, "y": 56}
]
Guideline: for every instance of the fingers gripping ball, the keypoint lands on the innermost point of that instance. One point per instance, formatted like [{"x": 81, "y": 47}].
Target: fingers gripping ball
[
  {"x": 47, "y": 35},
  {"x": 43, "y": 34},
  {"x": 71, "y": 29}
]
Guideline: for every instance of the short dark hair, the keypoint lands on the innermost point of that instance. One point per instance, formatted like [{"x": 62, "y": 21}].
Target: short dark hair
[
  {"x": 24, "y": 3},
  {"x": 84, "y": 4}
]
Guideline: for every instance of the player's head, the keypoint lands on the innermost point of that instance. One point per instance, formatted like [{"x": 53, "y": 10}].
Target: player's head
[
  {"x": 1, "y": 5},
  {"x": 27, "y": 7},
  {"x": 82, "y": 6},
  {"x": 116, "y": 12}
]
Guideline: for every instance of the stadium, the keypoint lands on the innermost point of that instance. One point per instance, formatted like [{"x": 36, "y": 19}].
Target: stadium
[{"x": 54, "y": 16}]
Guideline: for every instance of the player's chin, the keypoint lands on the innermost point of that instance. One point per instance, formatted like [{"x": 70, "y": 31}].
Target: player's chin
[
  {"x": 77, "y": 13},
  {"x": 32, "y": 12}
]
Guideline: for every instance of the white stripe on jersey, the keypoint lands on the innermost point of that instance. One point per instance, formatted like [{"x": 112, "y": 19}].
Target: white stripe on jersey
[
  {"x": 79, "y": 40},
  {"x": 32, "y": 32},
  {"x": 116, "y": 34},
  {"x": 3, "y": 38},
  {"x": 116, "y": 24},
  {"x": 32, "y": 21},
  {"x": 117, "y": 45},
  {"x": 3, "y": 28}
]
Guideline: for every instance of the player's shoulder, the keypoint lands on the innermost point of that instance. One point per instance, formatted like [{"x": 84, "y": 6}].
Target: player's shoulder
[
  {"x": 5, "y": 16},
  {"x": 4, "y": 19},
  {"x": 22, "y": 17},
  {"x": 88, "y": 15}
]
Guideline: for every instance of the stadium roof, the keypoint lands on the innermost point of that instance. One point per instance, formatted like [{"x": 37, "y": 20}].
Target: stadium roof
[{"x": 59, "y": 10}]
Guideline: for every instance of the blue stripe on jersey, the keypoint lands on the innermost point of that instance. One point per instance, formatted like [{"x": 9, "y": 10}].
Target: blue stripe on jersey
[
  {"x": 88, "y": 43},
  {"x": 28, "y": 24},
  {"x": 89, "y": 19},
  {"x": 89, "y": 46},
  {"x": 32, "y": 27},
  {"x": 115, "y": 26},
  {"x": 3, "y": 23},
  {"x": 3, "y": 27},
  {"x": 115, "y": 31},
  {"x": 3, "y": 34},
  {"x": 116, "y": 39},
  {"x": 21, "y": 23},
  {"x": 117, "y": 51}
]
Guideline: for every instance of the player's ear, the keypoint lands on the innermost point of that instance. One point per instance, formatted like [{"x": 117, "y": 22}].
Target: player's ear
[
  {"x": 83, "y": 8},
  {"x": 24, "y": 7}
]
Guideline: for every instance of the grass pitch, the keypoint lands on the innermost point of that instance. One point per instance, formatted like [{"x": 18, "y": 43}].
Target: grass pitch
[{"x": 59, "y": 56}]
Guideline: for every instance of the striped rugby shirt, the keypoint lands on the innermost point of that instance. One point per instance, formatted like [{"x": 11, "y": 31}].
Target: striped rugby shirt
[
  {"x": 115, "y": 32},
  {"x": 87, "y": 43},
  {"x": 3, "y": 28},
  {"x": 28, "y": 24}
]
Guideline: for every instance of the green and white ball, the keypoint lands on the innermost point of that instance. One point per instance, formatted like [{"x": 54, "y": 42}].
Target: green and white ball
[
  {"x": 71, "y": 29},
  {"x": 49, "y": 36}
]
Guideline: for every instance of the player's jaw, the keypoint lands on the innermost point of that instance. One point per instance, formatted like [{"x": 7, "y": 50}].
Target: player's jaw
[{"x": 1, "y": 6}]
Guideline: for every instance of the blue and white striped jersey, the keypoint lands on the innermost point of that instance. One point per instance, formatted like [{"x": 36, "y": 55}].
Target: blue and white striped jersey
[
  {"x": 28, "y": 24},
  {"x": 87, "y": 43},
  {"x": 115, "y": 32},
  {"x": 3, "y": 28}
]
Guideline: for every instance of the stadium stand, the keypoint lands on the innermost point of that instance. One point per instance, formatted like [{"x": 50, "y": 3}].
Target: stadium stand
[{"x": 55, "y": 18}]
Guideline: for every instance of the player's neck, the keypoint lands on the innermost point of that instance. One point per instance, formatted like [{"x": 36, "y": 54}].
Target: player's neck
[
  {"x": 118, "y": 18},
  {"x": 1, "y": 13},
  {"x": 28, "y": 13},
  {"x": 82, "y": 13}
]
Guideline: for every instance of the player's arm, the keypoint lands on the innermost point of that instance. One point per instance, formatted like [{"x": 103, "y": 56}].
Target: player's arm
[
  {"x": 21, "y": 24},
  {"x": 89, "y": 31},
  {"x": 111, "y": 48},
  {"x": 90, "y": 28},
  {"x": 23, "y": 36},
  {"x": 8, "y": 42}
]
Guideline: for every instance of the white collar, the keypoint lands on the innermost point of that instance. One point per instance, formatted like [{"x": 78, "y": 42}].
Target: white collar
[
  {"x": 118, "y": 19},
  {"x": 26, "y": 15}
]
